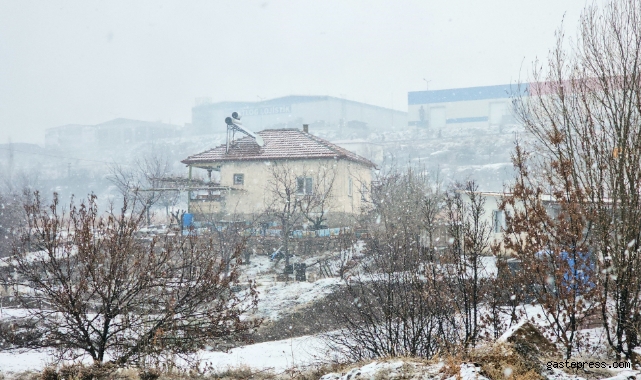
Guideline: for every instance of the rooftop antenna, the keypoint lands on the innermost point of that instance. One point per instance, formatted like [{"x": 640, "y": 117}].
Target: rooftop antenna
[{"x": 234, "y": 125}]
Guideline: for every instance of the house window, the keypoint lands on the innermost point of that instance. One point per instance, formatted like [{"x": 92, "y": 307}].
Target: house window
[
  {"x": 349, "y": 186},
  {"x": 498, "y": 221},
  {"x": 239, "y": 179},
  {"x": 304, "y": 186}
]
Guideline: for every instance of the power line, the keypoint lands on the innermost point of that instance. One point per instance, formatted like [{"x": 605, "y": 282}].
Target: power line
[{"x": 63, "y": 157}]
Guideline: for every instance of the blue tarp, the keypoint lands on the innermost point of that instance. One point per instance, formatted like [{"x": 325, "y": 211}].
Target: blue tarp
[
  {"x": 188, "y": 220},
  {"x": 575, "y": 275}
]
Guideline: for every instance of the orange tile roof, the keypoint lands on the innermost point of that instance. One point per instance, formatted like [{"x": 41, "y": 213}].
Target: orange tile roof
[{"x": 280, "y": 144}]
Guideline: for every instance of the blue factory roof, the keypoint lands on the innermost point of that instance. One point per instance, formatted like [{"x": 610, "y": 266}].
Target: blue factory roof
[{"x": 463, "y": 94}]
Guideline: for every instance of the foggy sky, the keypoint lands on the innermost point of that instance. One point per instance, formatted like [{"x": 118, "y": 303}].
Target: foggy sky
[{"x": 86, "y": 62}]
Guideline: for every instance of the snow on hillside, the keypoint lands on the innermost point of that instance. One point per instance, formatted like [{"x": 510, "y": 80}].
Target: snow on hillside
[
  {"x": 276, "y": 355},
  {"x": 279, "y": 298},
  {"x": 276, "y": 299}
]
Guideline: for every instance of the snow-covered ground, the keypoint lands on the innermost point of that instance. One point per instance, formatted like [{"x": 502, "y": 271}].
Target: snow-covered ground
[
  {"x": 22, "y": 361},
  {"x": 277, "y": 355},
  {"x": 279, "y": 298},
  {"x": 276, "y": 299}
]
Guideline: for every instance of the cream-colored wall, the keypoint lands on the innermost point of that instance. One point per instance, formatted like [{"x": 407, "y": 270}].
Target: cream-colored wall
[
  {"x": 492, "y": 203},
  {"x": 254, "y": 196}
]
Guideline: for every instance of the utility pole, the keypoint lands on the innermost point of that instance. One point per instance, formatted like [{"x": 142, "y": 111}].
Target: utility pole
[{"x": 427, "y": 84}]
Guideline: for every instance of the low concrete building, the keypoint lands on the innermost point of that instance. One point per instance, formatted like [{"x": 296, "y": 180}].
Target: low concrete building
[{"x": 245, "y": 174}]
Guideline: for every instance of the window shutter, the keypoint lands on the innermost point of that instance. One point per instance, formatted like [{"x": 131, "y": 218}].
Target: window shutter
[
  {"x": 308, "y": 186},
  {"x": 300, "y": 185}
]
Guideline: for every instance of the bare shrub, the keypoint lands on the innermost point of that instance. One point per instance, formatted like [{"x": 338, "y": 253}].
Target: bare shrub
[
  {"x": 467, "y": 277},
  {"x": 394, "y": 305},
  {"x": 11, "y": 218}
]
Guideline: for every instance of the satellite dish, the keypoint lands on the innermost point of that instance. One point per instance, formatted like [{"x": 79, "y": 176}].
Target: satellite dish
[{"x": 234, "y": 122}]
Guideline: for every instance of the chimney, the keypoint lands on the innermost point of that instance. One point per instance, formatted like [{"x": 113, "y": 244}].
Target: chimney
[{"x": 306, "y": 128}]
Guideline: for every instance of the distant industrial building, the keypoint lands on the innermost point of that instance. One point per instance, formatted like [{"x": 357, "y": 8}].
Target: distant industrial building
[
  {"x": 292, "y": 111},
  {"x": 462, "y": 107},
  {"x": 115, "y": 132}
]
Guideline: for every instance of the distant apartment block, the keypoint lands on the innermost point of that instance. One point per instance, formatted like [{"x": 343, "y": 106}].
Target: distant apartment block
[{"x": 115, "y": 132}]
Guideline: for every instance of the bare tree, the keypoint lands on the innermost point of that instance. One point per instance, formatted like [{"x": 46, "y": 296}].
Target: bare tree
[
  {"x": 469, "y": 241},
  {"x": 142, "y": 183},
  {"x": 550, "y": 237},
  {"x": 11, "y": 219},
  {"x": 396, "y": 303},
  {"x": 230, "y": 231},
  {"x": 96, "y": 288},
  {"x": 407, "y": 195},
  {"x": 317, "y": 200},
  {"x": 584, "y": 112},
  {"x": 156, "y": 169},
  {"x": 299, "y": 194},
  {"x": 285, "y": 202}
]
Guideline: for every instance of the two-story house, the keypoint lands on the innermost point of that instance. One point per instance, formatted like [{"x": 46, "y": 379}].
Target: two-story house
[{"x": 247, "y": 171}]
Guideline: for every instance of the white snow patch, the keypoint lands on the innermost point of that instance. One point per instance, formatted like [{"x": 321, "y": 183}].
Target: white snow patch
[
  {"x": 279, "y": 298},
  {"x": 277, "y": 355},
  {"x": 22, "y": 361},
  {"x": 511, "y": 330},
  {"x": 469, "y": 371}
]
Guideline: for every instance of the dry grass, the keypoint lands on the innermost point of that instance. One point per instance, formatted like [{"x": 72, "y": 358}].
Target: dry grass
[
  {"x": 244, "y": 372},
  {"x": 498, "y": 362},
  {"x": 412, "y": 368},
  {"x": 93, "y": 372},
  {"x": 27, "y": 375},
  {"x": 240, "y": 373},
  {"x": 503, "y": 362},
  {"x": 409, "y": 370},
  {"x": 452, "y": 366}
]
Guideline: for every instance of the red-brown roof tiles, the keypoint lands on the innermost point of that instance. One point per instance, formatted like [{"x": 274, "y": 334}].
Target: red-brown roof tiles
[{"x": 280, "y": 144}]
